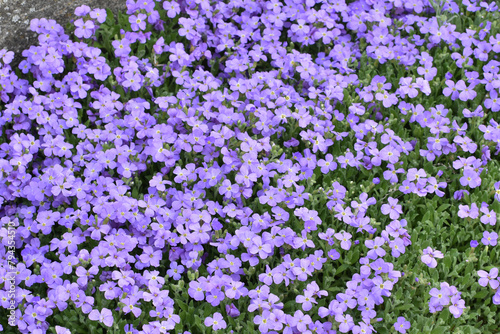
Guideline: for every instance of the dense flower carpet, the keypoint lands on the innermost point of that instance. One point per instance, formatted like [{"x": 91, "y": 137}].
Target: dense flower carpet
[{"x": 239, "y": 166}]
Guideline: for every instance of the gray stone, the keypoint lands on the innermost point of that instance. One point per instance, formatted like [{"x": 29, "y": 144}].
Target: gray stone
[{"x": 15, "y": 17}]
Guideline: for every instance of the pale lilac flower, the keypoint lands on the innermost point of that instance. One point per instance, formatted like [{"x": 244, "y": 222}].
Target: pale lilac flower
[
  {"x": 489, "y": 238},
  {"x": 393, "y": 209},
  {"x": 429, "y": 257},
  {"x": 216, "y": 322},
  {"x": 105, "y": 316},
  {"x": 402, "y": 325},
  {"x": 489, "y": 278}
]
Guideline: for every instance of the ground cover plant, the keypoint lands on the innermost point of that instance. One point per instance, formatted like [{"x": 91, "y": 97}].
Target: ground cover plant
[{"x": 295, "y": 166}]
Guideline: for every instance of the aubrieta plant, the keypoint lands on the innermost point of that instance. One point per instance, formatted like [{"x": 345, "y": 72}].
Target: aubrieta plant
[{"x": 295, "y": 166}]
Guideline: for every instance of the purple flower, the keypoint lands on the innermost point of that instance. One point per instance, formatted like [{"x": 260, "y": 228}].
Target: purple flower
[
  {"x": 391, "y": 173},
  {"x": 229, "y": 190},
  {"x": 457, "y": 306},
  {"x": 459, "y": 194},
  {"x": 346, "y": 322},
  {"x": 137, "y": 22},
  {"x": 105, "y": 316},
  {"x": 172, "y": 7},
  {"x": 489, "y": 278},
  {"x": 302, "y": 270},
  {"x": 402, "y": 325},
  {"x": 393, "y": 209},
  {"x": 344, "y": 238},
  {"x": 333, "y": 254},
  {"x": 216, "y": 322},
  {"x": 122, "y": 47},
  {"x": 215, "y": 297},
  {"x": 466, "y": 92},
  {"x": 387, "y": 99},
  {"x": 397, "y": 246},
  {"x": 464, "y": 211},
  {"x": 84, "y": 29},
  {"x": 260, "y": 248},
  {"x": 151, "y": 257},
  {"x": 489, "y": 238},
  {"x": 196, "y": 290},
  {"x": 497, "y": 191},
  {"x": 328, "y": 164},
  {"x": 62, "y": 330},
  {"x": 82, "y": 10},
  {"x": 470, "y": 178},
  {"x": 440, "y": 297},
  {"x": 496, "y": 298},
  {"x": 79, "y": 88},
  {"x": 132, "y": 80},
  {"x": 291, "y": 143},
  {"x": 232, "y": 311},
  {"x": 131, "y": 306},
  {"x": 493, "y": 102},
  {"x": 451, "y": 89},
  {"x": 264, "y": 321},
  {"x": 375, "y": 246},
  {"x": 85, "y": 275},
  {"x": 489, "y": 216},
  {"x": 175, "y": 271},
  {"x": 124, "y": 277},
  {"x": 99, "y": 14},
  {"x": 306, "y": 300},
  {"x": 430, "y": 256}
]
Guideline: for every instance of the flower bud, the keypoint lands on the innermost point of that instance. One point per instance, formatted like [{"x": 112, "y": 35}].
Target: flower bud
[{"x": 232, "y": 311}]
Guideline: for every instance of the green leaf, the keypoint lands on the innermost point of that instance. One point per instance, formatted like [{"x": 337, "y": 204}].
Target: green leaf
[
  {"x": 182, "y": 305},
  {"x": 110, "y": 17},
  {"x": 141, "y": 51},
  {"x": 447, "y": 261},
  {"x": 481, "y": 294},
  {"x": 443, "y": 207},
  {"x": 404, "y": 307},
  {"x": 342, "y": 268},
  {"x": 469, "y": 269},
  {"x": 440, "y": 330}
]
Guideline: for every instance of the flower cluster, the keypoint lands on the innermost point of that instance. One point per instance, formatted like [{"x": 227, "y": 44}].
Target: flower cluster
[
  {"x": 492, "y": 280},
  {"x": 447, "y": 296},
  {"x": 274, "y": 164}
]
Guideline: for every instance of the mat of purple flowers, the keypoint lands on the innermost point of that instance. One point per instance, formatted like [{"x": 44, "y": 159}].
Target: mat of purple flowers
[{"x": 295, "y": 166}]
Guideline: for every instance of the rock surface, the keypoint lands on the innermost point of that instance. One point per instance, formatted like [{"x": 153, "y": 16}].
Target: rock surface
[{"x": 15, "y": 17}]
